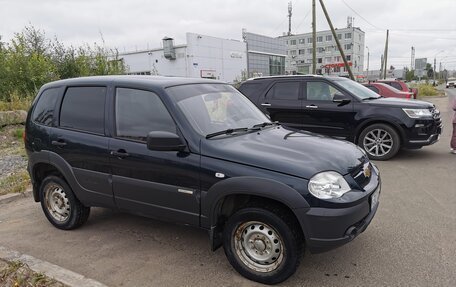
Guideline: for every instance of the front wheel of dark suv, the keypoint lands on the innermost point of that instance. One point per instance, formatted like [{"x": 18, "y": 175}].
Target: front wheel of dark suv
[
  {"x": 261, "y": 245},
  {"x": 380, "y": 141},
  {"x": 60, "y": 205}
]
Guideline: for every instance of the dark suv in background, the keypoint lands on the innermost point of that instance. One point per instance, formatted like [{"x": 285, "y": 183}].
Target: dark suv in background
[
  {"x": 345, "y": 109},
  {"x": 197, "y": 152}
]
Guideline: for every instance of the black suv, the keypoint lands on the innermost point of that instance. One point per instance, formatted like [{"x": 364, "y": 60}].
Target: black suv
[
  {"x": 344, "y": 109},
  {"x": 197, "y": 152}
]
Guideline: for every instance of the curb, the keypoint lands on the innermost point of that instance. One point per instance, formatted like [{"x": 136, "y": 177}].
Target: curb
[
  {"x": 58, "y": 273},
  {"x": 10, "y": 197}
]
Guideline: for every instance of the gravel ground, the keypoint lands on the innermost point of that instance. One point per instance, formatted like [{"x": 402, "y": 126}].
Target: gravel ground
[
  {"x": 10, "y": 164},
  {"x": 13, "y": 160}
]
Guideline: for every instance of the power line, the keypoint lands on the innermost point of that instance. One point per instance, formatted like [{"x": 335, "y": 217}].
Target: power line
[{"x": 361, "y": 16}]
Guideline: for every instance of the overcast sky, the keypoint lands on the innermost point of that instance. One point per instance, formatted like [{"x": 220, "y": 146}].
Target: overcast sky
[{"x": 429, "y": 26}]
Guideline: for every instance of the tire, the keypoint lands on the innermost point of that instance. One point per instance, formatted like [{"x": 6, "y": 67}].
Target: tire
[
  {"x": 379, "y": 141},
  {"x": 60, "y": 205},
  {"x": 271, "y": 258}
]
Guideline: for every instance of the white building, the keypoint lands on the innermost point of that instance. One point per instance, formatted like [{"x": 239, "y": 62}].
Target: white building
[
  {"x": 201, "y": 57},
  {"x": 329, "y": 61}
]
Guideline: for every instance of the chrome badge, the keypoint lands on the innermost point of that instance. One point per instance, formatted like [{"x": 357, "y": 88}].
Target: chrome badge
[{"x": 367, "y": 171}]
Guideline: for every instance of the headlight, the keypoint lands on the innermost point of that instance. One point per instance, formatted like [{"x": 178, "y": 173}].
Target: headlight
[
  {"x": 328, "y": 184},
  {"x": 418, "y": 113}
]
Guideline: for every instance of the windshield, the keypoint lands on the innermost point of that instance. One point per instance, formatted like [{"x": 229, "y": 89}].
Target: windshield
[
  {"x": 211, "y": 108},
  {"x": 360, "y": 91}
]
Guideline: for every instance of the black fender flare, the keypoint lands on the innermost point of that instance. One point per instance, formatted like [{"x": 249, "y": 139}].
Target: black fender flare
[
  {"x": 87, "y": 197},
  {"x": 247, "y": 185}
]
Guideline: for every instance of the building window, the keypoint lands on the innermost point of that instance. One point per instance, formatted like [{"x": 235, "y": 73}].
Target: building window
[
  {"x": 320, "y": 39},
  {"x": 321, "y": 50},
  {"x": 301, "y": 51},
  {"x": 339, "y": 36},
  {"x": 347, "y": 47},
  {"x": 309, "y": 40},
  {"x": 348, "y": 35},
  {"x": 329, "y": 49},
  {"x": 360, "y": 37},
  {"x": 329, "y": 38},
  {"x": 302, "y": 41},
  {"x": 320, "y": 60},
  {"x": 309, "y": 61},
  {"x": 276, "y": 65},
  {"x": 293, "y": 52},
  {"x": 337, "y": 59},
  {"x": 309, "y": 50},
  {"x": 292, "y": 42},
  {"x": 328, "y": 60},
  {"x": 349, "y": 57}
]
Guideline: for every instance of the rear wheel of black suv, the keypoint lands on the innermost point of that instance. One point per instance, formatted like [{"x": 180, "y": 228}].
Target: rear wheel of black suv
[
  {"x": 60, "y": 205},
  {"x": 261, "y": 245},
  {"x": 380, "y": 141}
]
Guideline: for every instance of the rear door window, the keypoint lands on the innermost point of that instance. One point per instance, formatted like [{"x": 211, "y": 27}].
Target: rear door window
[
  {"x": 284, "y": 91},
  {"x": 396, "y": 86},
  {"x": 44, "y": 108},
  {"x": 83, "y": 108}
]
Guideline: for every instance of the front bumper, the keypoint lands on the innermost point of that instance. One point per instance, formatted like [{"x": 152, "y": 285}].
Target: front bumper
[{"x": 329, "y": 228}]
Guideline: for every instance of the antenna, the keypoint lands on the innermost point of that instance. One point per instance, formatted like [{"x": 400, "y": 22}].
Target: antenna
[
  {"x": 290, "y": 8},
  {"x": 349, "y": 21}
]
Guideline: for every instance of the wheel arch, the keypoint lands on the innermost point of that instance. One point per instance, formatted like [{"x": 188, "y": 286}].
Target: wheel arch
[
  {"x": 390, "y": 123},
  {"x": 228, "y": 196}
]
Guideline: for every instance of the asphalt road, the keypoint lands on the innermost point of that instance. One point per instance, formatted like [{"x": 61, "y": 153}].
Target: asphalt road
[{"x": 411, "y": 241}]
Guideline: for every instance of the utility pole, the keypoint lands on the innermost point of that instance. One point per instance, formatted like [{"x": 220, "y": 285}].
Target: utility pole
[
  {"x": 440, "y": 71},
  {"x": 367, "y": 63},
  {"x": 314, "y": 39},
  {"x": 381, "y": 66},
  {"x": 342, "y": 54},
  {"x": 385, "y": 66},
  {"x": 434, "y": 71},
  {"x": 412, "y": 60}
]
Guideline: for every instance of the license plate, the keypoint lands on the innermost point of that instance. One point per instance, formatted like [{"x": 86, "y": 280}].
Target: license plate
[{"x": 374, "y": 198}]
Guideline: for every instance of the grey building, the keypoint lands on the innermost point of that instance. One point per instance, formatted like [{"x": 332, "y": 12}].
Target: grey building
[
  {"x": 265, "y": 55},
  {"x": 329, "y": 61}
]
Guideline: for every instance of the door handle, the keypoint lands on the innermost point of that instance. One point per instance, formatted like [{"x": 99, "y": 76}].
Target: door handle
[
  {"x": 312, "y": 107},
  {"x": 266, "y": 104},
  {"x": 121, "y": 153},
  {"x": 59, "y": 143}
]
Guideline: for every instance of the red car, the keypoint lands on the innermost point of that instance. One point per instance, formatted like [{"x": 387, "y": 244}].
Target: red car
[
  {"x": 401, "y": 86},
  {"x": 387, "y": 91}
]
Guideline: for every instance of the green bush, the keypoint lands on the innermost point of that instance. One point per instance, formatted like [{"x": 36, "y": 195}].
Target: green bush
[
  {"x": 30, "y": 60},
  {"x": 427, "y": 90}
]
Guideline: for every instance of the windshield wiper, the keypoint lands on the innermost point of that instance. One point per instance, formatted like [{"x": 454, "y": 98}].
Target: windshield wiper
[
  {"x": 265, "y": 124},
  {"x": 226, "y": 132},
  {"x": 372, "y": 98}
]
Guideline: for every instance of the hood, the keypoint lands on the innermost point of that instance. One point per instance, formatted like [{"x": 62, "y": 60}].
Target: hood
[
  {"x": 401, "y": 103},
  {"x": 300, "y": 154}
]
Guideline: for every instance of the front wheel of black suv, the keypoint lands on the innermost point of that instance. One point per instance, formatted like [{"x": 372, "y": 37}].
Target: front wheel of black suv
[
  {"x": 261, "y": 245},
  {"x": 60, "y": 205},
  {"x": 380, "y": 141}
]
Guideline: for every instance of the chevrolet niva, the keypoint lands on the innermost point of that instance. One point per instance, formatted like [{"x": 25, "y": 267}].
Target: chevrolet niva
[{"x": 197, "y": 152}]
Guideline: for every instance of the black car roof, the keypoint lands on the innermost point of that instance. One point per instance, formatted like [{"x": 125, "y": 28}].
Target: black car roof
[{"x": 156, "y": 81}]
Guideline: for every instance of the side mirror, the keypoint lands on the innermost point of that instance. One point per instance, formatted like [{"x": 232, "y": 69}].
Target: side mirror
[
  {"x": 341, "y": 99},
  {"x": 164, "y": 141}
]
